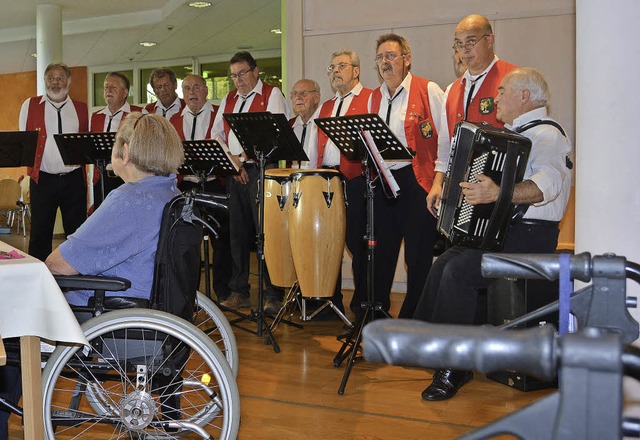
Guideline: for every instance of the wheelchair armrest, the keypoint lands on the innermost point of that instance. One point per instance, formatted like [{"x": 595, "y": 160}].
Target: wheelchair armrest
[{"x": 92, "y": 282}]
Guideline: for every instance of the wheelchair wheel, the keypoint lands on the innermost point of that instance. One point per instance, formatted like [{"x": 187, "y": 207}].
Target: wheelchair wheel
[
  {"x": 147, "y": 374},
  {"x": 210, "y": 319}
]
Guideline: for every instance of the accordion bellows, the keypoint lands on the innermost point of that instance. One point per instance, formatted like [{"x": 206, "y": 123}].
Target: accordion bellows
[{"x": 497, "y": 153}]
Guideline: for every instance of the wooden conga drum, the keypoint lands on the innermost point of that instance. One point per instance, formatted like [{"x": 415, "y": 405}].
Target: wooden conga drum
[
  {"x": 277, "y": 251},
  {"x": 317, "y": 228}
]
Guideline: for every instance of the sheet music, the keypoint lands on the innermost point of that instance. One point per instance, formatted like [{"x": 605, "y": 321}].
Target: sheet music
[{"x": 380, "y": 164}]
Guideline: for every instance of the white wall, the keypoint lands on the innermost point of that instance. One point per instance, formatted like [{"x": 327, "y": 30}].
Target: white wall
[{"x": 538, "y": 34}]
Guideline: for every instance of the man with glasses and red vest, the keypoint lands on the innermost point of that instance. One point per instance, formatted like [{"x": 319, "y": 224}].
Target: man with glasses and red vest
[
  {"x": 116, "y": 92},
  {"x": 53, "y": 184},
  {"x": 164, "y": 83},
  {"x": 194, "y": 123},
  {"x": 471, "y": 96},
  {"x": 351, "y": 98},
  {"x": 251, "y": 95},
  {"x": 411, "y": 107}
]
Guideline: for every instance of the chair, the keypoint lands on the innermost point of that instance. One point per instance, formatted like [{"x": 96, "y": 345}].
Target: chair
[
  {"x": 10, "y": 195},
  {"x": 24, "y": 203},
  {"x": 149, "y": 372}
]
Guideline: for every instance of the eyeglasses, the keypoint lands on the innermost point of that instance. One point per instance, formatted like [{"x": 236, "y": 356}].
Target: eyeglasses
[
  {"x": 470, "y": 44},
  {"x": 339, "y": 66},
  {"x": 240, "y": 74},
  {"x": 388, "y": 56},
  {"x": 302, "y": 93}
]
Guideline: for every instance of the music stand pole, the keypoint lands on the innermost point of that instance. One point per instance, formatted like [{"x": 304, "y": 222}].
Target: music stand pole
[{"x": 351, "y": 345}]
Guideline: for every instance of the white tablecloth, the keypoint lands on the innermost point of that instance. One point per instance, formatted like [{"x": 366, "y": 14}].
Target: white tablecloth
[{"x": 31, "y": 303}]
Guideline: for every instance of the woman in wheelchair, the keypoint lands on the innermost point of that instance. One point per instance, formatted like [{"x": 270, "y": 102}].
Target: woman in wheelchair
[{"x": 120, "y": 238}]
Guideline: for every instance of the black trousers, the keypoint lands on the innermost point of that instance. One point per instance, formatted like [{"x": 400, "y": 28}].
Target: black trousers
[
  {"x": 450, "y": 294},
  {"x": 65, "y": 191},
  {"x": 243, "y": 224},
  {"x": 355, "y": 239},
  {"x": 405, "y": 217},
  {"x": 221, "y": 261}
]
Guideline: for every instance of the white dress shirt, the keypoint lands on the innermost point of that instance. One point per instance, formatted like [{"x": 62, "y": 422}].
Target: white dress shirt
[
  {"x": 399, "y": 112},
  {"x": 115, "y": 121},
  {"x": 310, "y": 145},
  {"x": 331, "y": 156},
  {"x": 444, "y": 141},
  {"x": 546, "y": 166},
  {"x": 202, "y": 122},
  {"x": 51, "y": 159},
  {"x": 171, "y": 110},
  {"x": 277, "y": 104}
]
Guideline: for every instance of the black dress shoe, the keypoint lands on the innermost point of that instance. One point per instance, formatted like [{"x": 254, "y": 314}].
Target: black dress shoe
[{"x": 446, "y": 384}]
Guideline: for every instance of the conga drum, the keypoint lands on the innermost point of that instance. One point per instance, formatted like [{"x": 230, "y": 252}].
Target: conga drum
[
  {"x": 277, "y": 251},
  {"x": 317, "y": 228}
]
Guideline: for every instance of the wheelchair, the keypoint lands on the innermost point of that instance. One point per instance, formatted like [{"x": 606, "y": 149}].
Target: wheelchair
[{"x": 161, "y": 368}]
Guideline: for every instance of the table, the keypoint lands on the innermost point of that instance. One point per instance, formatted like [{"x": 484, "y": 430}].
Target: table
[{"x": 33, "y": 307}]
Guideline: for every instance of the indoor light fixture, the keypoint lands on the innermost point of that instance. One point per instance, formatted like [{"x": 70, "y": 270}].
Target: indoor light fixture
[
  {"x": 276, "y": 31},
  {"x": 148, "y": 43},
  {"x": 199, "y": 4}
]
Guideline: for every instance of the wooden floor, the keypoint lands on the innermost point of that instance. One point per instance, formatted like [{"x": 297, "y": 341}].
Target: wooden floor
[{"x": 293, "y": 394}]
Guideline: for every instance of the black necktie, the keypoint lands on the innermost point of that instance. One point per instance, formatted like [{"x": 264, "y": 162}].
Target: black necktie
[
  {"x": 166, "y": 110},
  {"x": 304, "y": 133},
  {"x": 473, "y": 87},
  {"x": 391, "y": 102},
  {"x": 193, "y": 128},
  {"x": 59, "y": 116},
  {"x": 340, "y": 104},
  {"x": 111, "y": 119},
  {"x": 244, "y": 101}
]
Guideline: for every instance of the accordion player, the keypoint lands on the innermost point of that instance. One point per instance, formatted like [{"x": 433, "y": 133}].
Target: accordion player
[{"x": 497, "y": 153}]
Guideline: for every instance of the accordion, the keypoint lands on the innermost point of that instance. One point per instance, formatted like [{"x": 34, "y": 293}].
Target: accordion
[{"x": 497, "y": 153}]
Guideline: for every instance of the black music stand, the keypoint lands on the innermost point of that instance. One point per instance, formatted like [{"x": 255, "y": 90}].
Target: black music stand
[
  {"x": 204, "y": 158},
  {"x": 17, "y": 148},
  {"x": 264, "y": 136},
  {"x": 366, "y": 138},
  {"x": 87, "y": 148}
]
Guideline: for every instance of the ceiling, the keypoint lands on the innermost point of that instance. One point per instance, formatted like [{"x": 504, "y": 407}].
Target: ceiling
[{"x": 99, "y": 32}]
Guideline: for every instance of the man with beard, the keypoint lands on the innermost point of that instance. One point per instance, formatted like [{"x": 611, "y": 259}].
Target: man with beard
[
  {"x": 411, "y": 107},
  {"x": 351, "y": 98},
  {"x": 164, "y": 84},
  {"x": 53, "y": 184},
  {"x": 194, "y": 123},
  {"x": 116, "y": 91}
]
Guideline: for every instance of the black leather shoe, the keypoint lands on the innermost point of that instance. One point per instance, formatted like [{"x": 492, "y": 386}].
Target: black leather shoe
[{"x": 446, "y": 384}]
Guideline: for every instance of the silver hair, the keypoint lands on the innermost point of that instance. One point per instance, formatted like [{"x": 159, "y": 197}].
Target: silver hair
[
  {"x": 355, "y": 59},
  {"x": 528, "y": 78}
]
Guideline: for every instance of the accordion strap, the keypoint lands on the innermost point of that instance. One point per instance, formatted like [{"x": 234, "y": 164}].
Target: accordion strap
[{"x": 537, "y": 122}]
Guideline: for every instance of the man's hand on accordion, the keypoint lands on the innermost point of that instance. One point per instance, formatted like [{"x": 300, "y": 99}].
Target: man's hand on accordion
[{"x": 483, "y": 191}]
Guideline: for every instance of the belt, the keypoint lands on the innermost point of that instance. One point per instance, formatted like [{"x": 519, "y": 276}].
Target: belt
[
  {"x": 539, "y": 223},
  {"x": 59, "y": 174}
]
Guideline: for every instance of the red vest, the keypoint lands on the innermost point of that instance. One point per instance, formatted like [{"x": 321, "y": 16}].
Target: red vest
[
  {"x": 259, "y": 104},
  {"x": 350, "y": 168},
  {"x": 151, "y": 107},
  {"x": 35, "y": 122},
  {"x": 419, "y": 128},
  {"x": 177, "y": 122},
  {"x": 97, "y": 119},
  {"x": 481, "y": 108}
]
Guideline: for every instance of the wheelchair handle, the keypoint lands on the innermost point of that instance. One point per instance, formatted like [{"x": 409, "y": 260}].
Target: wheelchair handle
[
  {"x": 534, "y": 266},
  {"x": 482, "y": 349}
]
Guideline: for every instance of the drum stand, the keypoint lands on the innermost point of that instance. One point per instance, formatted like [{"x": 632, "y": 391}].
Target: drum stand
[
  {"x": 263, "y": 136},
  {"x": 351, "y": 345}
]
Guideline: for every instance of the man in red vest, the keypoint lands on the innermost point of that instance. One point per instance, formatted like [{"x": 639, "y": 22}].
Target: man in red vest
[
  {"x": 474, "y": 42},
  {"x": 164, "y": 83},
  {"x": 53, "y": 184},
  {"x": 251, "y": 95},
  {"x": 116, "y": 92},
  {"x": 351, "y": 98},
  {"x": 411, "y": 107},
  {"x": 194, "y": 123}
]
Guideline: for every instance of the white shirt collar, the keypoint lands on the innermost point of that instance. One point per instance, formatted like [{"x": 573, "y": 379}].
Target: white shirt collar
[
  {"x": 468, "y": 77},
  {"x": 405, "y": 84},
  {"x": 529, "y": 116},
  {"x": 357, "y": 89}
]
